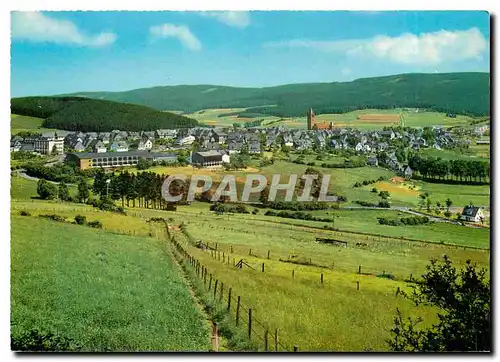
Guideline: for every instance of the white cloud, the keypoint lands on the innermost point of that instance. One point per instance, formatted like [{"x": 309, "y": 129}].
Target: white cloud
[
  {"x": 181, "y": 32},
  {"x": 236, "y": 19},
  {"x": 36, "y": 26},
  {"x": 426, "y": 48}
]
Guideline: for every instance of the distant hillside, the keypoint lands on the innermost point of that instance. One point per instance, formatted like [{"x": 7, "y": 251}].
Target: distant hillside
[
  {"x": 91, "y": 115},
  {"x": 462, "y": 93}
]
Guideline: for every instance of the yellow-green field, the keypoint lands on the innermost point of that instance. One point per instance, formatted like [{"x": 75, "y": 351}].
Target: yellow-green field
[{"x": 349, "y": 119}]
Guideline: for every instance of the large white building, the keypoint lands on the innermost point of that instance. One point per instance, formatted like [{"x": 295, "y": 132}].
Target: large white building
[{"x": 48, "y": 143}]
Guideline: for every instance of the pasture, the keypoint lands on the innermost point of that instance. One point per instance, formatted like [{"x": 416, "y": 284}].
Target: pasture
[
  {"x": 333, "y": 316},
  {"x": 20, "y": 123},
  {"x": 107, "y": 292}
]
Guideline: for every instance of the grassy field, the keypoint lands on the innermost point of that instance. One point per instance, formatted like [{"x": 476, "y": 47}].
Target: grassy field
[
  {"x": 349, "y": 119},
  {"x": 343, "y": 179},
  {"x": 21, "y": 188},
  {"x": 20, "y": 123},
  {"x": 334, "y": 316},
  {"x": 107, "y": 292},
  {"x": 478, "y": 153}
]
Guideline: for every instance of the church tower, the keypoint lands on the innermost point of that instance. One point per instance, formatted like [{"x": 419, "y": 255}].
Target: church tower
[{"x": 310, "y": 119}]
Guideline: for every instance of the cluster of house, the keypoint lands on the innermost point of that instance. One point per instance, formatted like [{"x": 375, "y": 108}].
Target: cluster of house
[{"x": 44, "y": 144}]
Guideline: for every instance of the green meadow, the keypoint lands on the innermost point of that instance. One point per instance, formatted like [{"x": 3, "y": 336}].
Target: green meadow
[
  {"x": 107, "y": 292},
  {"x": 20, "y": 123}
]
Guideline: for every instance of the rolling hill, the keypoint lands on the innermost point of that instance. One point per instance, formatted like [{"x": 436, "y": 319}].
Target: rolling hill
[
  {"x": 92, "y": 115},
  {"x": 462, "y": 93}
]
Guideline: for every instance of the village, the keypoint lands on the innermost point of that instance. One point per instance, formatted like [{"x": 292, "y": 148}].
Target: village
[{"x": 211, "y": 146}]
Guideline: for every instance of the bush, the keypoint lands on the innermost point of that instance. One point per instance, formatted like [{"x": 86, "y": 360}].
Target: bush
[
  {"x": 391, "y": 222},
  {"x": 35, "y": 340},
  {"x": 365, "y": 203},
  {"x": 80, "y": 219},
  {"x": 384, "y": 203},
  {"x": 447, "y": 214},
  {"x": 374, "y": 190},
  {"x": 255, "y": 211},
  {"x": 95, "y": 224},
  {"x": 53, "y": 217},
  {"x": 357, "y": 184},
  {"x": 24, "y": 213}
]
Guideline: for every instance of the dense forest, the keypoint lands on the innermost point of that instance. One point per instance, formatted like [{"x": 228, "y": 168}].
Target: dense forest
[
  {"x": 460, "y": 93},
  {"x": 92, "y": 115}
]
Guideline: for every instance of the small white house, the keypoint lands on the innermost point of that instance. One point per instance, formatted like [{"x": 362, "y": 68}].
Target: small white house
[{"x": 472, "y": 213}]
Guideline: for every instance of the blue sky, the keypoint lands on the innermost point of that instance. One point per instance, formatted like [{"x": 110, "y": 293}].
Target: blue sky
[{"x": 61, "y": 52}]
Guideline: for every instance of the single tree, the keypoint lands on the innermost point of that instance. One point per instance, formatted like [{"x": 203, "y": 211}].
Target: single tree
[
  {"x": 384, "y": 195},
  {"x": 448, "y": 204},
  {"x": 462, "y": 298},
  {"x": 83, "y": 191},
  {"x": 63, "y": 192},
  {"x": 429, "y": 203},
  {"x": 46, "y": 190}
]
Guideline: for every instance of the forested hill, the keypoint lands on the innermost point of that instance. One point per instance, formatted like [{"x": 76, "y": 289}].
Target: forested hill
[
  {"x": 92, "y": 115},
  {"x": 462, "y": 93}
]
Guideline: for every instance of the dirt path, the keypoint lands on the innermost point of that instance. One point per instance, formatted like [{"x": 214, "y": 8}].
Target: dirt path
[{"x": 221, "y": 341}]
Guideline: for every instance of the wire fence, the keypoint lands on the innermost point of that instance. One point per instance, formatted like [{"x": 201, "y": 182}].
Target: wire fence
[{"x": 244, "y": 316}]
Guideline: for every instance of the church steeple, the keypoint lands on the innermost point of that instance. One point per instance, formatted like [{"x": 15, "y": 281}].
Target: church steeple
[{"x": 310, "y": 119}]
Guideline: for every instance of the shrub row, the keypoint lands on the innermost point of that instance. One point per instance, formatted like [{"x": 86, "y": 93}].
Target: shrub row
[
  {"x": 105, "y": 204},
  {"x": 412, "y": 220},
  {"x": 222, "y": 208},
  {"x": 297, "y": 215},
  {"x": 368, "y": 182},
  {"x": 298, "y": 206}
]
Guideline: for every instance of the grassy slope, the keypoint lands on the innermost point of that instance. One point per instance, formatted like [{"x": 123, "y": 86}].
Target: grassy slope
[
  {"x": 335, "y": 317},
  {"x": 106, "y": 291},
  {"x": 20, "y": 123}
]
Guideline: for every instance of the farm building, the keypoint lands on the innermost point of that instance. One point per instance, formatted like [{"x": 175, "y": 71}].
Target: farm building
[
  {"x": 209, "y": 158},
  {"x": 116, "y": 159},
  {"x": 472, "y": 213}
]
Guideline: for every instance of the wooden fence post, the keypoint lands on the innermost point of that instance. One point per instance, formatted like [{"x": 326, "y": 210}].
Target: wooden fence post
[
  {"x": 216, "y": 246},
  {"x": 250, "y": 252},
  {"x": 268, "y": 253},
  {"x": 263, "y": 267},
  {"x": 359, "y": 269},
  {"x": 276, "y": 340},
  {"x": 266, "y": 333},
  {"x": 321, "y": 278},
  {"x": 229, "y": 300},
  {"x": 357, "y": 285},
  {"x": 215, "y": 287},
  {"x": 238, "y": 304},
  {"x": 293, "y": 274},
  {"x": 221, "y": 290},
  {"x": 231, "y": 249},
  {"x": 223, "y": 256},
  {"x": 210, "y": 282},
  {"x": 215, "y": 338},
  {"x": 295, "y": 348},
  {"x": 249, "y": 323}
]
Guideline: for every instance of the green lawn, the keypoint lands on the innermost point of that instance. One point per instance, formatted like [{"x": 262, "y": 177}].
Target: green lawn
[
  {"x": 108, "y": 292},
  {"x": 20, "y": 123}
]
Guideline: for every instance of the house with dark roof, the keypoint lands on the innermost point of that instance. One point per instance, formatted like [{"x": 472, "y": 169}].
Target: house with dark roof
[{"x": 472, "y": 213}]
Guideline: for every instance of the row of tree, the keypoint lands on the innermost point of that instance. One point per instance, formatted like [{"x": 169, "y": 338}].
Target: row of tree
[{"x": 458, "y": 170}]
